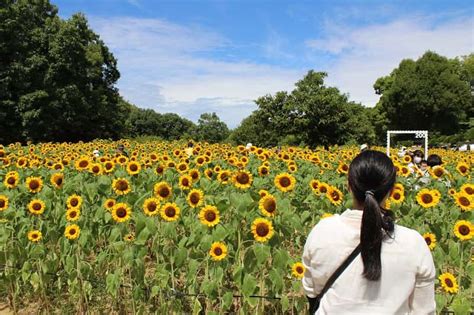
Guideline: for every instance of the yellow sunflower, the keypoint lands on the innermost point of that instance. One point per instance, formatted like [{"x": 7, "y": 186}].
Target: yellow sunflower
[
  {"x": 96, "y": 169},
  {"x": 74, "y": 201},
  {"x": 242, "y": 179},
  {"x": 109, "y": 204},
  {"x": 34, "y": 184},
  {"x": 3, "y": 202},
  {"x": 464, "y": 201},
  {"x": 209, "y": 173},
  {"x": 224, "y": 176},
  {"x": 462, "y": 168},
  {"x": 36, "y": 206},
  {"x": 109, "y": 166},
  {"x": 185, "y": 182},
  {"x": 397, "y": 196},
  {"x": 334, "y": 195},
  {"x": 195, "y": 175},
  {"x": 437, "y": 171},
  {"x": 263, "y": 170},
  {"x": 452, "y": 192},
  {"x": 343, "y": 168},
  {"x": 323, "y": 188},
  {"x": 285, "y": 182},
  {"x": 73, "y": 214},
  {"x": 468, "y": 189},
  {"x": 182, "y": 167},
  {"x": 82, "y": 163},
  {"x": 72, "y": 231},
  {"x": 121, "y": 212},
  {"x": 430, "y": 240},
  {"x": 464, "y": 230},
  {"x": 218, "y": 251},
  {"x": 57, "y": 180},
  {"x": 313, "y": 184},
  {"x": 209, "y": 215},
  {"x": 151, "y": 206},
  {"x": 129, "y": 237},
  {"x": 268, "y": 205},
  {"x": 162, "y": 190},
  {"x": 262, "y": 193},
  {"x": 427, "y": 198},
  {"x": 170, "y": 211},
  {"x": 404, "y": 171},
  {"x": 297, "y": 270},
  {"x": 11, "y": 179},
  {"x": 35, "y": 236},
  {"x": 159, "y": 169},
  {"x": 448, "y": 282},
  {"x": 262, "y": 230},
  {"x": 195, "y": 198},
  {"x": 121, "y": 186},
  {"x": 133, "y": 168}
]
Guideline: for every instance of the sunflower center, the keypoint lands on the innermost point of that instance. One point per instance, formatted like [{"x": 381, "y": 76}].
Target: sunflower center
[
  {"x": 34, "y": 184},
  {"x": 449, "y": 283},
  {"x": 159, "y": 169},
  {"x": 36, "y": 206},
  {"x": 335, "y": 196},
  {"x": 396, "y": 196},
  {"x": 11, "y": 180},
  {"x": 314, "y": 185},
  {"x": 427, "y": 198},
  {"x": 264, "y": 171},
  {"x": 74, "y": 202},
  {"x": 121, "y": 213},
  {"x": 299, "y": 270},
  {"x": 463, "y": 169},
  {"x": 210, "y": 216},
  {"x": 262, "y": 229},
  {"x": 285, "y": 182},
  {"x": 170, "y": 212},
  {"x": 83, "y": 163},
  {"x": 34, "y": 236},
  {"x": 345, "y": 167},
  {"x": 59, "y": 181},
  {"x": 464, "y": 201},
  {"x": 95, "y": 169},
  {"x": 152, "y": 206},
  {"x": 218, "y": 251},
  {"x": 72, "y": 231},
  {"x": 110, "y": 204},
  {"x": 243, "y": 178},
  {"x": 185, "y": 182},
  {"x": 133, "y": 168},
  {"x": 464, "y": 230},
  {"x": 323, "y": 189},
  {"x": 224, "y": 177},
  {"x": 57, "y": 167},
  {"x": 2, "y": 203},
  {"x": 469, "y": 190},
  {"x": 428, "y": 241},
  {"x": 108, "y": 166},
  {"x": 194, "y": 175},
  {"x": 164, "y": 192},
  {"x": 122, "y": 185},
  {"x": 438, "y": 172},
  {"x": 72, "y": 214},
  {"x": 194, "y": 198},
  {"x": 200, "y": 161},
  {"x": 269, "y": 205},
  {"x": 182, "y": 167}
]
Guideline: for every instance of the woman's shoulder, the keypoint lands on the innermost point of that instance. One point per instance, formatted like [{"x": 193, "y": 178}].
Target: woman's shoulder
[{"x": 408, "y": 236}]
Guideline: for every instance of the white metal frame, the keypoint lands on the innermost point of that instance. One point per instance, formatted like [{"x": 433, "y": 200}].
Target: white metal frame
[{"x": 418, "y": 134}]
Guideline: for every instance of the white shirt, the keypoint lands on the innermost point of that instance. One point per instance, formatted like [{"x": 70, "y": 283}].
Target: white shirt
[{"x": 406, "y": 285}]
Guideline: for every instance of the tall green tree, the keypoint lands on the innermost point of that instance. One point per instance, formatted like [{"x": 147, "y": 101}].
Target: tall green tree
[
  {"x": 57, "y": 77},
  {"x": 428, "y": 93},
  {"x": 211, "y": 129}
]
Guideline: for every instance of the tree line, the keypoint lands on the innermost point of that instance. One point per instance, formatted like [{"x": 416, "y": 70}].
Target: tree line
[{"x": 57, "y": 83}]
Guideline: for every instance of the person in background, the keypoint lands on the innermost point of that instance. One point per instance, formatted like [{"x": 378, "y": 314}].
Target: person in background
[
  {"x": 121, "y": 150},
  {"x": 434, "y": 160},
  {"x": 394, "y": 273},
  {"x": 96, "y": 153},
  {"x": 248, "y": 146},
  {"x": 402, "y": 152},
  {"x": 417, "y": 157},
  {"x": 364, "y": 147}
]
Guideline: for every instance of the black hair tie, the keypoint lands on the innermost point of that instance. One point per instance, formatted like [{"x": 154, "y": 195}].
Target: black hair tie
[{"x": 369, "y": 192}]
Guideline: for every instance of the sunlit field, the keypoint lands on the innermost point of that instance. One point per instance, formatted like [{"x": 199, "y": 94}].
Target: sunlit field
[{"x": 219, "y": 231}]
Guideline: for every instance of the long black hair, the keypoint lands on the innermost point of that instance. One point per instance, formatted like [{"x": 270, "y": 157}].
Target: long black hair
[{"x": 371, "y": 177}]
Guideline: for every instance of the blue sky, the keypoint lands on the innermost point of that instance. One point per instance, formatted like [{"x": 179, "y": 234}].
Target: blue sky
[{"x": 191, "y": 57}]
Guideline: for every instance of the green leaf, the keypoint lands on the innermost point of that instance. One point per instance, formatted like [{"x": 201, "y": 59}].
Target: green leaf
[
  {"x": 262, "y": 252},
  {"x": 227, "y": 299},
  {"x": 142, "y": 236},
  {"x": 249, "y": 285}
]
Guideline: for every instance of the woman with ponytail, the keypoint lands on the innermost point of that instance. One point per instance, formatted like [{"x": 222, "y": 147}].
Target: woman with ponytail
[{"x": 394, "y": 272}]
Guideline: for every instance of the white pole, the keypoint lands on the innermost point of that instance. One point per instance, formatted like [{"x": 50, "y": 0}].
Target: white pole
[
  {"x": 388, "y": 143},
  {"x": 426, "y": 145}
]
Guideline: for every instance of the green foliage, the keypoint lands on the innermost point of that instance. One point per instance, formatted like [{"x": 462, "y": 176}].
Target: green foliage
[
  {"x": 312, "y": 114},
  {"x": 58, "y": 77},
  {"x": 211, "y": 129},
  {"x": 428, "y": 93}
]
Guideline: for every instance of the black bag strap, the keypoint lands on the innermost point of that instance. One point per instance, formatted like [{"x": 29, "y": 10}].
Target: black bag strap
[{"x": 339, "y": 271}]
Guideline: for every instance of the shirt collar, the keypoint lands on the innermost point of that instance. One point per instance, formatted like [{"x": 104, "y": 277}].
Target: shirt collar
[{"x": 352, "y": 214}]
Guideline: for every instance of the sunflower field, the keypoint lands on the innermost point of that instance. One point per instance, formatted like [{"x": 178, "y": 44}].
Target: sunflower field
[{"x": 161, "y": 229}]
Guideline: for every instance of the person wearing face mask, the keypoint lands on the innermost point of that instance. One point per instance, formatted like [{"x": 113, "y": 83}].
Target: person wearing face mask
[{"x": 417, "y": 157}]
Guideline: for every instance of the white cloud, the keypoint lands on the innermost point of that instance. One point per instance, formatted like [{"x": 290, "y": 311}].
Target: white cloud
[
  {"x": 366, "y": 53},
  {"x": 173, "y": 68}
]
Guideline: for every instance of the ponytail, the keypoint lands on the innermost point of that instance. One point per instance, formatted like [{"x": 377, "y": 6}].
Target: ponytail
[
  {"x": 371, "y": 237},
  {"x": 371, "y": 177}
]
